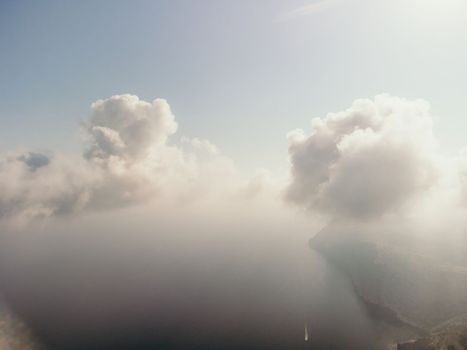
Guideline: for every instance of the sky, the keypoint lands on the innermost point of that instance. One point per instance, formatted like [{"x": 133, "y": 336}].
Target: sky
[{"x": 241, "y": 74}]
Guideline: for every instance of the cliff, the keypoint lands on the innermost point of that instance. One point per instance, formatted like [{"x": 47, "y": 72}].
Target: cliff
[{"x": 420, "y": 288}]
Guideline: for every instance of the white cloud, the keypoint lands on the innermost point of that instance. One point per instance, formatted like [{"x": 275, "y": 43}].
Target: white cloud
[
  {"x": 127, "y": 160},
  {"x": 365, "y": 161},
  {"x": 128, "y": 127},
  {"x": 369, "y": 160}
]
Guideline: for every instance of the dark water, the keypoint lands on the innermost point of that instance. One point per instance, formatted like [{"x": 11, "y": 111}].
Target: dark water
[{"x": 215, "y": 300}]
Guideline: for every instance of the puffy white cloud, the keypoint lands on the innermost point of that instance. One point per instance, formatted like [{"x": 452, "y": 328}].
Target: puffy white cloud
[
  {"x": 127, "y": 160},
  {"x": 128, "y": 127},
  {"x": 35, "y": 185},
  {"x": 365, "y": 161},
  {"x": 360, "y": 163}
]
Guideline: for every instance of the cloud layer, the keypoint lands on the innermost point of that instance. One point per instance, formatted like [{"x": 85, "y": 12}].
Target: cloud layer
[
  {"x": 126, "y": 127},
  {"x": 365, "y": 161},
  {"x": 362, "y": 163},
  {"x": 127, "y": 159}
]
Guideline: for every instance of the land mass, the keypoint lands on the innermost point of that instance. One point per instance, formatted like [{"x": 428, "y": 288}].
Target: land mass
[{"x": 419, "y": 289}]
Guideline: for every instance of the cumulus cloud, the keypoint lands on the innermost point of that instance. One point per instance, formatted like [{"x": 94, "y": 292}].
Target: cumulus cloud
[
  {"x": 127, "y": 159},
  {"x": 361, "y": 163},
  {"x": 57, "y": 186},
  {"x": 365, "y": 161},
  {"x": 125, "y": 126}
]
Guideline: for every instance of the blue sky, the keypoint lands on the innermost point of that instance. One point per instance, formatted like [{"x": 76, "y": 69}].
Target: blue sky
[{"x": 239, "y": 73}]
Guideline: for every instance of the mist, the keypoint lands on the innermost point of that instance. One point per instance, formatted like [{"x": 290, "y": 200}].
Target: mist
[
  {"x": 231, "y": 277},
  {"x": 227, "y": 277}
]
